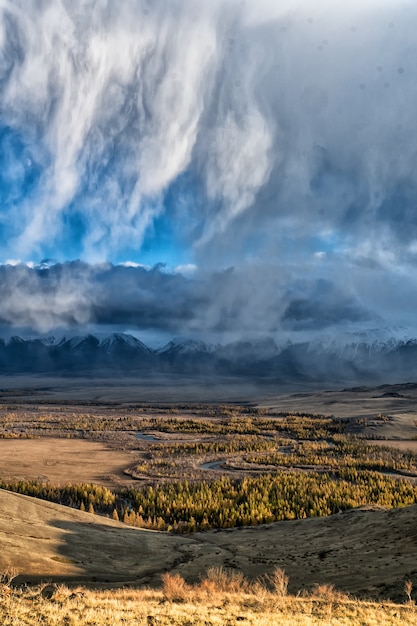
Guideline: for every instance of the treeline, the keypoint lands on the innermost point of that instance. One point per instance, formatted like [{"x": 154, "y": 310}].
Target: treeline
[
  {"x": 83, "y": 496},
  {"x": 220, "y": 421},
  {"x": 239, "y": 443},
  {"x": 340, "y": 451},
  {"x": 293, "y": 426},
  {"x": 226, "y": 503}
]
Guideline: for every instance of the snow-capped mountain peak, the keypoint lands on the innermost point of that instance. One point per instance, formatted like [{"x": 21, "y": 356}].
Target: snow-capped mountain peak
[
  {"x": 122, "y": 340},
  {"x": 186, "y": 346}
]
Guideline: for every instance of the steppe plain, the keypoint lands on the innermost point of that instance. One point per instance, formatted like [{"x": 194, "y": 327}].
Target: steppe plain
[{"x": 45, "y": 425}]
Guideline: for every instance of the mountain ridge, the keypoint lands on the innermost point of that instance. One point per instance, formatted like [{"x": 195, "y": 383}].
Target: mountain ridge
[{"x": 356, "y": 356}]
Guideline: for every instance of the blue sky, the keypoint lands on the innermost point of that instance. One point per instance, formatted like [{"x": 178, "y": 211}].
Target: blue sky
[{"x": 277, "y": 139}]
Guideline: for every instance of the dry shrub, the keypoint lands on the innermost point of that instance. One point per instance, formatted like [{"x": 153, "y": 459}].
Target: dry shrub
[
  {"x": 6, "y": 580},
  {"x": 7, "y": 577},
  {"x": 57, "y": 593},
  {"x": 278, "y": 580},
  {"x": 226, "y": 580},
  {"x": 328, "y": 593},
  {"x": 175, "y": 588},
  {"x": 5, "y": 591},
  {"x": 260, "y": 591},
  {"x": 207, "y": 587},
  {"x": 408, "y": 588},
  {"x": 47, "y": 590}
]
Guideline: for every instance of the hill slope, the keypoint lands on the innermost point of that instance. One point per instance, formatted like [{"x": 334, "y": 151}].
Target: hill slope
[{"x": 366, "y": 552}]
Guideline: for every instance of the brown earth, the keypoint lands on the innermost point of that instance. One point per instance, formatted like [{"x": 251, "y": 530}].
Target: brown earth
[
  {"x": 365, "y": 404},
  {"x": 365, "y": 552},
  {"x": 60, "y": 461},
  {"x": 403, "y": 445},
  {"x": 156, "y": 389},
  {"x": 45, "y": 541}
]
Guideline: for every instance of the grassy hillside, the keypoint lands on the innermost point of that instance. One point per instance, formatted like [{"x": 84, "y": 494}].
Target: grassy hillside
[
  {"x": 368, "y": 553},
  {"x": 88, "y": 569}
]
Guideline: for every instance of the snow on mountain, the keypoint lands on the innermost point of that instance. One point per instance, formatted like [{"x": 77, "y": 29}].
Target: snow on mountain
[
  {"x": 16, "y": 340},
  {"x": 354, "y": 354},
  {"x": 186, "y": 346},
  {"x": 352, "y": 343},
  {"x": 79, "y": 340},
  {"x": 123, "y": 341},
  {"x": 51, "y": 340}
]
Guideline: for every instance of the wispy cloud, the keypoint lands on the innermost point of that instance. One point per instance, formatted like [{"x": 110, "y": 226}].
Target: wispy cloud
[
  {"x": 279, "y": 139},
  {"x": 297, "y": 112},
  {"x": 251, "y": 300}
]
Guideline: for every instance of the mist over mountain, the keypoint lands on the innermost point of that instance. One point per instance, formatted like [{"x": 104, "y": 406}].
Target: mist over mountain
[
  {"x": 66, "y": 319},
  {"x": 228, "y": 172},
  {"x": 238, "y": 300},
  {"x": 358, "y": 357}
]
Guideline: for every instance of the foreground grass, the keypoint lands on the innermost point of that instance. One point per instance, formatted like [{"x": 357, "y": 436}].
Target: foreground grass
[{"x": 205, "y": 604}]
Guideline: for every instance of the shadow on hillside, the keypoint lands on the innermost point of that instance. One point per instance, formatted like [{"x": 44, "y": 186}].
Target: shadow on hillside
[
  {"x": 368, "y": 554},
  {"x": 98, "y": 555}
]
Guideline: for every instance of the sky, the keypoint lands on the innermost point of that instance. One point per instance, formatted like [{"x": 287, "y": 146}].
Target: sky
[{"x": 197, "y": 167}]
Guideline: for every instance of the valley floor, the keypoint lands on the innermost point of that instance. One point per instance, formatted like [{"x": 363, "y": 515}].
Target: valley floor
[{"x": 74, "y": 568}]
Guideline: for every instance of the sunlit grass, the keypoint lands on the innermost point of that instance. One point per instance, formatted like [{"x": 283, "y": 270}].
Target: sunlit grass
[{"x": 222, "y": 598}]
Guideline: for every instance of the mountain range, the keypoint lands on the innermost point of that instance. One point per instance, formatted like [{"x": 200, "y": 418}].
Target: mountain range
[{"x": 361, "y": 356}]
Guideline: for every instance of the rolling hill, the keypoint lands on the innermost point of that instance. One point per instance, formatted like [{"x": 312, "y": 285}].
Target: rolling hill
[{"x": 369, "y": 553}]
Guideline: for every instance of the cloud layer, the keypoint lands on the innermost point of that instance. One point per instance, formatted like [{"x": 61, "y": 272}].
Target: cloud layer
[
  {"x": 303, "y": 115},
  {"x": 277, "y": 138},
  {"x": 217, "y": 305}
]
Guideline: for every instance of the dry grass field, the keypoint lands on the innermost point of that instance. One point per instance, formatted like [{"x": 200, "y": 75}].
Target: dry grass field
[
  {"x": 56, "y": 460},
  {"x": 367, "y": 553},
  {"x": 203, "y": 605},
  {"x": 398, "y": 444},
  {"x": 88, "y": 569}
]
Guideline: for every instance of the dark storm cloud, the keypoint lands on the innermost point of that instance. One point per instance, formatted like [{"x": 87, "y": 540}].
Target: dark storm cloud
[
  {"x": 322, "y": 305},
  {"x": 77, "y": 294},
  {"x": 275, "y": 137}
]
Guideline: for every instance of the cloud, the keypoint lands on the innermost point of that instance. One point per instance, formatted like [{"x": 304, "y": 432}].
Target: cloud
[
  {"x": 295, "y": 113},
  {"x": 75, "y": 295},
  {"x": 108, "y": 100},
  {"x": 279, "y": 141},
  {"x": 322, "y": 305},
  {"x": 253, "y": 300}
]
